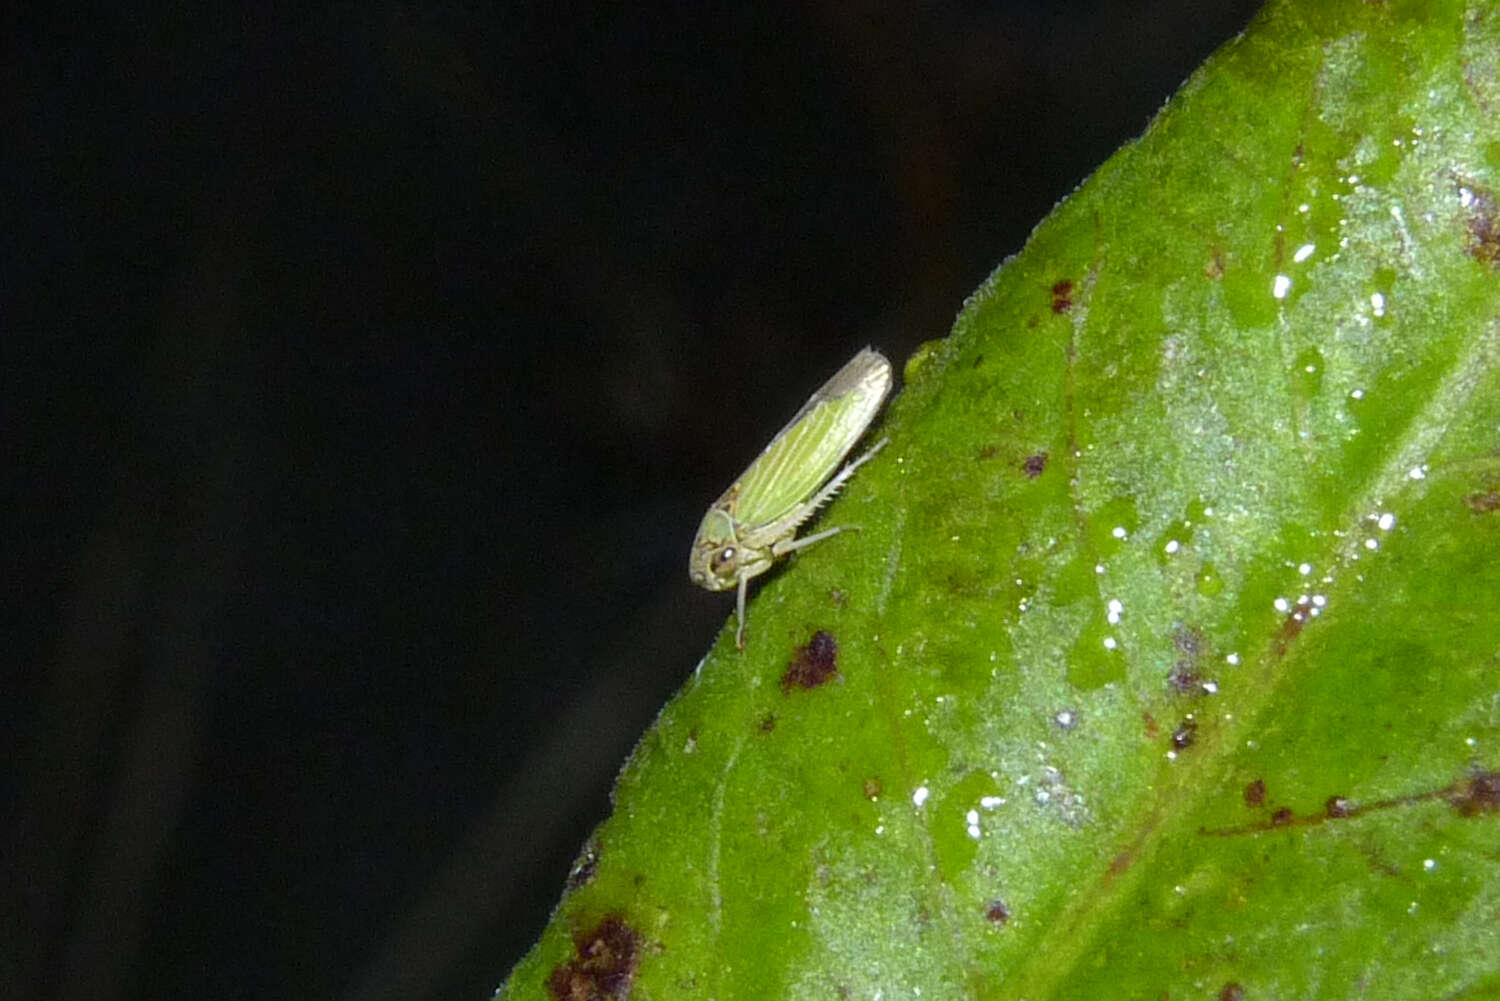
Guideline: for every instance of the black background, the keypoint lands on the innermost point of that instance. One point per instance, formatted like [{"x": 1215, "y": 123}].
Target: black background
[{"x": 366, "y": 371}]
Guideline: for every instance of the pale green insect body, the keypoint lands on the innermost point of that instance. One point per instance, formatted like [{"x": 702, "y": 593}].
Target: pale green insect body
[{"x": 755, "y": 522}]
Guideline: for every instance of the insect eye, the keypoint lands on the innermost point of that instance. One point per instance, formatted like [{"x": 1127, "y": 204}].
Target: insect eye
[{"x": 723, "y": 558}]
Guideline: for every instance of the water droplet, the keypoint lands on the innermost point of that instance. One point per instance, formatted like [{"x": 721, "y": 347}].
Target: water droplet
[{"x": 1307, "y": 372}]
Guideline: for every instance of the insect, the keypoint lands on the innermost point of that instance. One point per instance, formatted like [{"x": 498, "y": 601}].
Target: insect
[{"x": 756, "y": 521}]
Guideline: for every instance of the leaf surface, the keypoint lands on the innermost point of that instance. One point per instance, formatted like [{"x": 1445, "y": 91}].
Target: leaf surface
[{"x": 1167, "y": 661}]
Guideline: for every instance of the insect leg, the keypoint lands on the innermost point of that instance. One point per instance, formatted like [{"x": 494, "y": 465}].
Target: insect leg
[
  {"x": 739, "y": 613},
  {"x": 792, "y": 545},
  {"x": 834, "y": 485}
]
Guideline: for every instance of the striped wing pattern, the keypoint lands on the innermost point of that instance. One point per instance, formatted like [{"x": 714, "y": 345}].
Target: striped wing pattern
[{"x": 808, "y": 450}]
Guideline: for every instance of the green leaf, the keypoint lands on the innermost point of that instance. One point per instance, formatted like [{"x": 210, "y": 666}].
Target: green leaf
[{"x": 1168, "y": 658}]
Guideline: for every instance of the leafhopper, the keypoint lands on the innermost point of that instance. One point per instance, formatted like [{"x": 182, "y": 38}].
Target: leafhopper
[{"x": 756, "y": 521}]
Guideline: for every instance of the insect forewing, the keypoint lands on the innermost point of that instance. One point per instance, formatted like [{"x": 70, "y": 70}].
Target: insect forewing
[{"x": 805, "y": 453}]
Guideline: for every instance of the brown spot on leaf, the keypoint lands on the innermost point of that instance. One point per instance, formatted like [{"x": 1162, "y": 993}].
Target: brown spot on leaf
[
  {"x": 873, "y": 788},
  {"x": 1291, "y": 626},
  {"x": 1152, "y": 729},
  {"x": 767, "y": 723},
  {"x": 1482, "y": 227},
  {"x": 1483, "y": 503},
  {"x": 1481, "y": 794},
  {"x": 1478, "y": 794},
  {"x": 1255, "y": 793},
  {"x": 1215, "y": 266},
  {"x": 604, "y": 968},
  {"x": 1120, "y": 863},
  {"x": 1033, "y": 465},
  {"x": 1231, "y": 992},
  {"x": 988, "y": 452},
  {"x": 1062, "y": 296},
  {"x": 839, "y": 597},
  {"x": 813, "y": 664},
  {"x": 997, "y": 912}
]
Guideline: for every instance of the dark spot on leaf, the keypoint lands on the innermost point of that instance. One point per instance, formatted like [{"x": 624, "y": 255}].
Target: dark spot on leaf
[
  {"x": 1483, "y": 503},
  {"x": 1232, "y": 992},
  {"x": 1255, "y": 793},
  {"x": 584, "y": 865},
  {"x": 1034, "y": 464},
  {"x": 1482, "y": 241},
  {"x": 604, "y": 967},
  {"x": 1184, "y": 679},
  {"x": 1062, "y": 296},
  {"x": 767, "y": 723},
  {"x": 988, "y": 452},
  {"x": 997, "y": 912},
  {"x": 1471, "y": 797},
  {"x": 1185, "y": 734},
  {"x": 1481, "y": 794},
  {"x": 814, "y": 663},
  {"x": 872, "y": 788},
  {"x": 1189, "y": 642},
  {"x": 977, "y": 360},
  {"x": 1186, "y": 675}
]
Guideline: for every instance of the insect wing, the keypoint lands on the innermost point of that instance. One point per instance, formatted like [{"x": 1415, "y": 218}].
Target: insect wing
[{"x": 808, "y": 450}]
